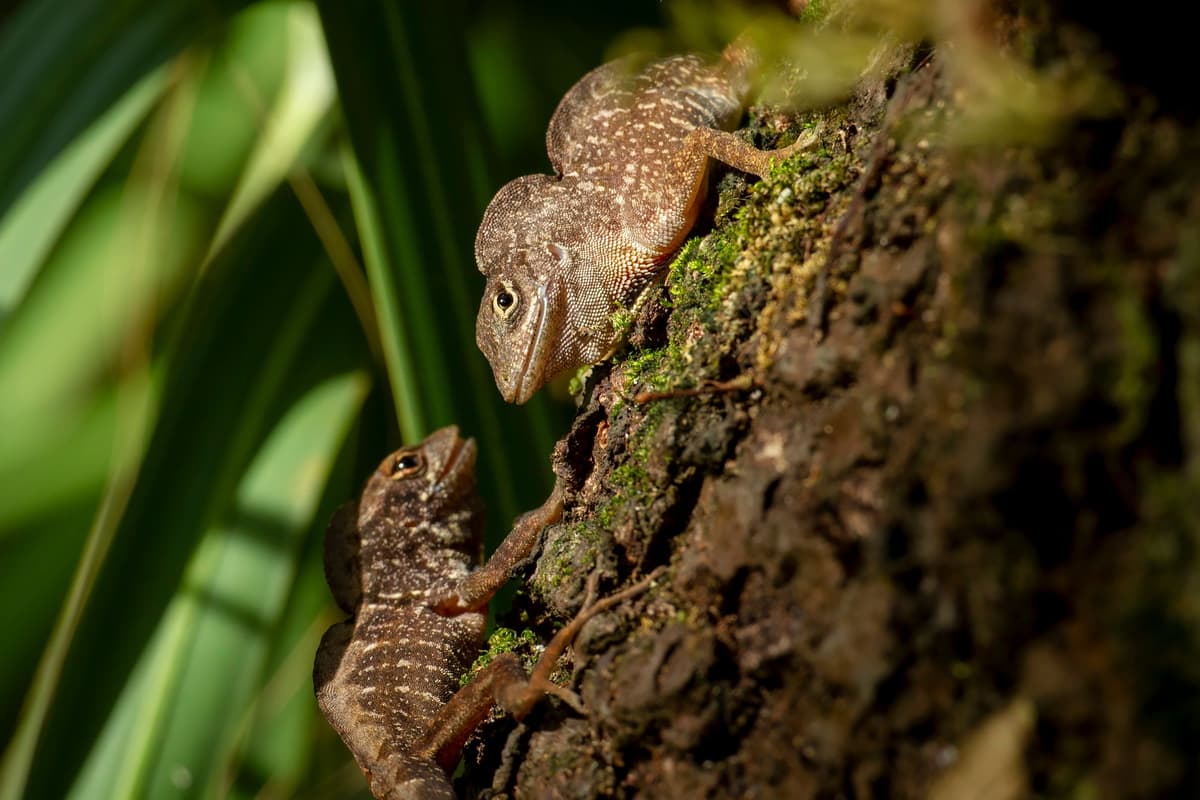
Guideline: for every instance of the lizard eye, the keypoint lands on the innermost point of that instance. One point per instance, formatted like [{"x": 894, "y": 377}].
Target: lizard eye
[
  {"x": 406, "y": 465},
  {"x": 505, "y": 301}
]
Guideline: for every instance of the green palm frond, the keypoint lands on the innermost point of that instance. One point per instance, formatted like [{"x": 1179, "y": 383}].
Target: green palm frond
[{"x": 236, "y": 268}]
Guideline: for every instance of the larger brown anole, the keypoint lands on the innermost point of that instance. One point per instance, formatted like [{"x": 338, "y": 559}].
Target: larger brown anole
[{"x": 631, "y": 152}]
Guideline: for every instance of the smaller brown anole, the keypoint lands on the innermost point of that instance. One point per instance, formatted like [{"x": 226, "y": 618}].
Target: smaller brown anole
[{"x": 399, "y": 560}]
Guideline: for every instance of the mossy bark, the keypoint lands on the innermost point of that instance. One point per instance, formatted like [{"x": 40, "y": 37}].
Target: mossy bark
[{"x": 931, "y": 523}]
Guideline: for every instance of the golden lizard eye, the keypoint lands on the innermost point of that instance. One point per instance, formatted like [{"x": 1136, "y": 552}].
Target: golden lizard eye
[
  {"x": 505, "y": 301},
  {"x": 407, "y": 465}
]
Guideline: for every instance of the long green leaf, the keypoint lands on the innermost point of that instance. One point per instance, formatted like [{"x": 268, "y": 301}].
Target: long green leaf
[
  {"x": 421, "y": 150},
  {"x": 303, "y": 102},
  {"x": 277, "y": 740},
  {"x": 127, "y": 549},
  {"x": 221, "y": 623},
  {"x": 63, "y": 68},
  {"x": 32, "y": 227},
  {"x": 206, "y": 435}
]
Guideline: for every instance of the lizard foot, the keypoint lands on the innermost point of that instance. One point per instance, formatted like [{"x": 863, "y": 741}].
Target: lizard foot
[{"x": 518, "y": 700}]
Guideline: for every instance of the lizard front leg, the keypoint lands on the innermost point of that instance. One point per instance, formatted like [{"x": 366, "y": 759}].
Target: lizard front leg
[
  {"x": 668, "y": 207},
  {"x": 723, "y": 146},
  {"x": 505, "y": 683},
  {"x": 474, "y": 591}
]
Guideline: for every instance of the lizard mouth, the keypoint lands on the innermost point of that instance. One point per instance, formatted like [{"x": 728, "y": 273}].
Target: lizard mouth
[
  {"x": 460, "y": 460},
  {"x": 533, "y": 365}
]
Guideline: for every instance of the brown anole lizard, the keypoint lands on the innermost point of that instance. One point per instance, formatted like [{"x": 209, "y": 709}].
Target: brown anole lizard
[
  {"x": 399, "y": 560},
  {"x": 561, "y": 253}
]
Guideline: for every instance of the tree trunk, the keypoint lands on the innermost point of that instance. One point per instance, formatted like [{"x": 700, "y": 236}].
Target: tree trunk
[{"x": 930, "y": 512}]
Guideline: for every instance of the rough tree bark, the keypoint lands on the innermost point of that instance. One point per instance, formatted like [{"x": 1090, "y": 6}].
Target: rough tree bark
[{"x": 933, "y": 529}]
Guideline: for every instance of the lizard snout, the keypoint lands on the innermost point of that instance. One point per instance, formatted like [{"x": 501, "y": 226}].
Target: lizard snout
[{"x": 520, "y": 354}]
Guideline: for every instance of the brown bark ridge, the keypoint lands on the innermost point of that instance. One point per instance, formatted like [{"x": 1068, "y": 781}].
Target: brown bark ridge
[{"x": 916, "y": 439}]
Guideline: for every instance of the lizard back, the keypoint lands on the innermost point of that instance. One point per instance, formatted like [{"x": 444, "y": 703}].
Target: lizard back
[
  {"x": 617, "y": 116},
  {"x": 382, "y": 675}
]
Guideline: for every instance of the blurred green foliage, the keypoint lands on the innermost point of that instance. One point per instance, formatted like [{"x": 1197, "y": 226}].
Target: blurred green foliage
[{"x": 236, "y": 269}]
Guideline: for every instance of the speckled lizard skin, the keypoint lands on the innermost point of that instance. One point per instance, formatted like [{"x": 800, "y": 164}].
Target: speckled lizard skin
[
  {"x": 631, "y": 151},
  {"x": 399, "y": 560}
]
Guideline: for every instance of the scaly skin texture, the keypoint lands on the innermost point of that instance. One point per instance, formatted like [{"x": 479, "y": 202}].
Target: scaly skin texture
[
  {"x": 399, "y": 561},
  {"x": 631, "y": 152},
  {"x": 387, "y": 678}
]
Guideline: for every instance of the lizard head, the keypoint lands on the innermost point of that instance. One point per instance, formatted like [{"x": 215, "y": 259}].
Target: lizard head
[
  {"x": 522, "y": 323},
  {"x": 519, "y": 328},
  {"x": 431, "y": 485}
]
